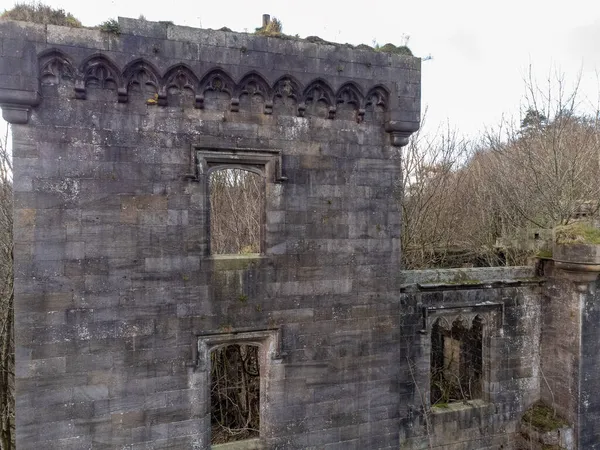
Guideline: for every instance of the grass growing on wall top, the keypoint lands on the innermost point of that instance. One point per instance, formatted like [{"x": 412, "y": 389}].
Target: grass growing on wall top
[
  {"x": 40, "y": 13},
  {"x": 577, "y": 233}
]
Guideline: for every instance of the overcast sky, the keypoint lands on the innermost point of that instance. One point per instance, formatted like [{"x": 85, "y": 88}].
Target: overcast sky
[{"x": 481, "y": 50}]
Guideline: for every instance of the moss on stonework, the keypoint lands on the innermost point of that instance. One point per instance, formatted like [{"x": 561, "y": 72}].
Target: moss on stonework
[
  {"x": 577, "y": 233},
  {"x": 40, "y": 13},
  {"x": 544, "y": 253},
  {"x": 463, "y": 281},
  {"x": 398, "y": 50},
  {"x": 543, "y": 418}
]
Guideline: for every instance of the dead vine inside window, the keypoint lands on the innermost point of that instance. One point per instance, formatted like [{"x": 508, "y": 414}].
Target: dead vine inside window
[
  {"x": 456, "y": 361},
  {"x": 236, "y": 211},
  {"x": 235, "y": 393}
]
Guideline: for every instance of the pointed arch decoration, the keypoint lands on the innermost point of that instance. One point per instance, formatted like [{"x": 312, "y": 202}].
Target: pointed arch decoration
[
  {"x": 97, "y": 70},
  {"x": 287, "y": 91},
  {"x": 141, "y": 74},
  {"x": 377, "y": 96},
  {"x": 443, "y": 323},
  {"x": 350, "y": 94},
  {"x": 55, "y": 67},
  {"x": 318, "y": 91},
  {"x": 253, "y": 84},
  {"x": 216, "y": 80},
  {"x": 180, "y": 77},
  {"x": 287, "y": 87}
]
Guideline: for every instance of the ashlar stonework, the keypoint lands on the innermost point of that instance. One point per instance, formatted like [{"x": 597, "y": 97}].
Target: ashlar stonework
[{"x": 119, "y": 301}]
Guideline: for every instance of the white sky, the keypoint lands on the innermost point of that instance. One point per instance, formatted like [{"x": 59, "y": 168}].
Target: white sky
[{"x": 481, "y": 49}]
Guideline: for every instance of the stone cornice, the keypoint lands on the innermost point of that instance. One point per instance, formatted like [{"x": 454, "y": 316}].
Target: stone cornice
[
  {"x": 159, "y": 59},
  {"x": 16, "y": 104}
]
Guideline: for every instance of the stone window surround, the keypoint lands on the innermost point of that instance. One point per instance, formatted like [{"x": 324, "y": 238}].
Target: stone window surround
[
  {"x": 265, "y": 162},
  {"x": 268, "y": 342},
  {"x": 492, "y": 317}
]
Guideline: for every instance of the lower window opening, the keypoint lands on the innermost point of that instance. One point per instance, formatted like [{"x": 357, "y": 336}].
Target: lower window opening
[
  {"x": 235, "y": 393},
  {"x": 456, "y": 361}
]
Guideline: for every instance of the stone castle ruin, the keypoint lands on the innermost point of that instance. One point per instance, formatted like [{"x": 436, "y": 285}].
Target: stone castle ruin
[{"x": 125, "y": 303}]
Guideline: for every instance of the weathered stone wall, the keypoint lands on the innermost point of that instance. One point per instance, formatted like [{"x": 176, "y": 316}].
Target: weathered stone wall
[
  {"x": 114, "y": 282},
  {"x": 508, "y": 300},
  {"x": 570, "y": 352},
  {"x": 118, "y": 300}
]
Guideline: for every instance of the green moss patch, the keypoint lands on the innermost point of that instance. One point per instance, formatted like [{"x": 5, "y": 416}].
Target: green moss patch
[
  {"x": 544, "y": 253},
  {"x": 543, "y": 418},
  {"x": 577, "y": 233}
]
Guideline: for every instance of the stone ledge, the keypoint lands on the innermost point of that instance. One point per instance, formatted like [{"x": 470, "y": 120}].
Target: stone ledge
[
  {"x": 246, "y": 444},
  {"x": 469, "y": 276}
]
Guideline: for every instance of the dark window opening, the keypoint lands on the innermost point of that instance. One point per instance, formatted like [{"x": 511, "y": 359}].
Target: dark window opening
[
  {"x": 235, "y": 393},
  {"x": 456, "y": 361},
  {"x": 236, "y": 211}
]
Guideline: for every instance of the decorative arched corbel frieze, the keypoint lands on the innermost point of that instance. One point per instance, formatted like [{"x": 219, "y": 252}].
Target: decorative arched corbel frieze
[
  {"x": 216, "y": 80},
  {"x": 350, "y": 94},
  {"x": 254, "y": 84},
  {"x": 179, "y": 78},
  {"x": 319, "y": 91},
  {"x": 286, "y": 92},
  {"x": 287, "y": 88},
  {"x": 139, "y": 74},
  {"x": 98, "y": 70},
  {"x": 378, "y": 96},
  {"x": 489, "y": 314},
  {"x": 55, "y": 67}
]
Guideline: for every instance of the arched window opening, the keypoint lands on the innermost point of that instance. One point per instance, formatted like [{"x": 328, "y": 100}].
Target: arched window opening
[
  {"x": 235, "y": 393},
  {"x": 236, "y": 211},
  {"x": 456, "y": 361}
]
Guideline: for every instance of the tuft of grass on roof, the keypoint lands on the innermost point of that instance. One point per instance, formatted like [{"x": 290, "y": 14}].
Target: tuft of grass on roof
[
  {"x": 40, "y": 13},
  {"x": 110, "y": 26},
  {"x": 577, "y": 233},
  {"x": 391, "y": 48}
]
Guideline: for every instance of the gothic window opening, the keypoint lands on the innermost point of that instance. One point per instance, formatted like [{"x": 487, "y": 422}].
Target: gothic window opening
[
  {"x": 236, "y": 211},
  {"x": 456, "y": 361},
  {"x": 235, "y": 393}
]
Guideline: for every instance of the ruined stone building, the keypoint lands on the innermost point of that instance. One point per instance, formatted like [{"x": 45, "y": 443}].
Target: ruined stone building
[{"x": 123, "y": 302}]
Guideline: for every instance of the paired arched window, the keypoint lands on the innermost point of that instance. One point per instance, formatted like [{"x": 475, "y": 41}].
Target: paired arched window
[{"x": 456, "y": 360}]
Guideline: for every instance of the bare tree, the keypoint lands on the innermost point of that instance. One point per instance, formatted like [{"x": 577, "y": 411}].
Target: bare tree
[
  {"x": 7, "y": 360},
  {"x": 549, "y": 165},
  {"x": 463, "y": 202},
  {"x": 236, "y": 210},
  {"x": 430, "y": 206},
  {"x": 235, "y": 393}
]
